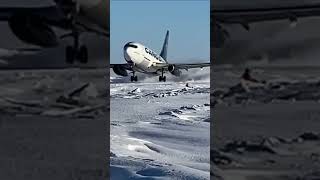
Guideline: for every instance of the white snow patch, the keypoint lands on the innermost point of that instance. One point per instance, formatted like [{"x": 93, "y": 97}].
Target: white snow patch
[{"x": 148, "y": 145}]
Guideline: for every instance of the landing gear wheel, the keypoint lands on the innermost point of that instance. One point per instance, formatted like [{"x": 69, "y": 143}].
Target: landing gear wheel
[
  {"x": 134, "y": 78},
  {"x": 83, "y": 54},
  {"x": 70, "y": 54},
  {"x": 76, "y": 52},
  {"x": 162, "y": 78}
]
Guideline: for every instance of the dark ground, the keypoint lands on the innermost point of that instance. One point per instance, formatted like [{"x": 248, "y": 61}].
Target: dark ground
[
  {"x": 52, "y": 148},
  {"x": 38, "y": 146},
  {"x": 278, "y": 139}
]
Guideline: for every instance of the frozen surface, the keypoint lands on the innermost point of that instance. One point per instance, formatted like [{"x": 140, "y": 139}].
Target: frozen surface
[
  {"x": 160, "y": 130},
  {"x": 37, "y": 145},
  {"x": 270, "y": 132}
]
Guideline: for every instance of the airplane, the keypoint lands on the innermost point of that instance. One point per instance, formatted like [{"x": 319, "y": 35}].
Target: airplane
[
  {"x": 245, "y": 17},
  {"x": 140, "y": 58},
  {"x": 34, "y": 25}
]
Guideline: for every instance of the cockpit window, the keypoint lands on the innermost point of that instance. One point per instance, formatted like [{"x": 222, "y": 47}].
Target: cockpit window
[
  {"x": 134, "y": 46},
  {"x": 130, "y": 45}
]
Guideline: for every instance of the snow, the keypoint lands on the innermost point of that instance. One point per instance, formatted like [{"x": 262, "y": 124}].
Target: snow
[{"x": 160, "y": 130}]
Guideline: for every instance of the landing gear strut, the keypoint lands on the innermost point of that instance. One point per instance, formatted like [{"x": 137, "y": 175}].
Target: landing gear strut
[
  {"x": 162, "y": 77},
  {"x": 134, "y": 77},
  {"x": 76, "y": 52}
]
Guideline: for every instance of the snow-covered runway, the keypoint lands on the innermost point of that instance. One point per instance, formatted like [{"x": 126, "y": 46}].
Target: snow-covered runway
[{"x": 160, "y": 130}]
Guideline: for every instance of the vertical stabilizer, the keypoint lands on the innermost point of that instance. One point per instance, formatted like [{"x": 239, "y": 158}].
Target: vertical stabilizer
[{"x": 163, "y": 53}]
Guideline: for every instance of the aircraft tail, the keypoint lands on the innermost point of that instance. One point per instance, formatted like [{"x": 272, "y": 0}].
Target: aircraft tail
[{"x": 163, "y": 53}]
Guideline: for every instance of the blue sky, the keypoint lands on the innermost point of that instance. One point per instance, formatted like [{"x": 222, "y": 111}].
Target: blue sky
[{"x": 147, "y": 21}]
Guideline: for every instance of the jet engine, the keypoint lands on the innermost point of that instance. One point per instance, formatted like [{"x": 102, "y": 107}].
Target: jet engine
[
  {"x": 119, "y": 70},
  {"x": 173, "y": 70},
  {"x": 32, "y": 29},
  {"x": 219, "y": 36}
]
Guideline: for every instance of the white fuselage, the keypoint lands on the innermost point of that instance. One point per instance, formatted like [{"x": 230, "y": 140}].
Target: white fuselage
[
  {"x": 96, "y": 11},
  {"x": 142, "y": 59}
]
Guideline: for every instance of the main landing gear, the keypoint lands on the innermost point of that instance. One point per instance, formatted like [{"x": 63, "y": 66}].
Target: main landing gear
[
  {"x": 76, "y": 52},
  {"x": 162, "y": 77},
  {"x": 134, "y": 77}
]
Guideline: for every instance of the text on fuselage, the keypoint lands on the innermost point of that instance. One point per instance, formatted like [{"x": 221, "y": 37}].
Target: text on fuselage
[{"x": 153, "y": 54}]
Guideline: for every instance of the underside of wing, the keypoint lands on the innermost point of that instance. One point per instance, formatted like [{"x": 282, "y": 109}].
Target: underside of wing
[
  {"x": 243, "y": 16},
  {"x": 34, "y": 25},
  {"x": 182, "y": 66},
  {"x": 175, "y": 69},
  {"x": 48, "y": 13},
  {"x": 190, "y": 66}
]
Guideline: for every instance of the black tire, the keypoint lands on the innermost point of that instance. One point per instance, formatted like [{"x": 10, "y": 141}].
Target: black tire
[
  {"x": 69, "y": 55},
  {"x": 132, "y": 78},
  {"x": 160, "y": 78},
  {"x": 164, "y": 78},
  {"x": 83, "y": 54},
  {"x": 136, "y": 78}
]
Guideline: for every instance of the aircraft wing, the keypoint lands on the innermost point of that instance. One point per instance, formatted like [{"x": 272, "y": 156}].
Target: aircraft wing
[
  {"x": 247, "y": 16},
  {"x": 184, "y": 66},
  {"x": 123, "y": 66},
  {"x": 191, "y": 66},
  {"x": 52, "y": 15},
  {"x": 48, "y": 13}
]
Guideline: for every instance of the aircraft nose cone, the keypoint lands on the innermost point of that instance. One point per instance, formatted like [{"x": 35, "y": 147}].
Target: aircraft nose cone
[
  {"x": 131, "y": 53},
  {"x": 128, "y": 55}
]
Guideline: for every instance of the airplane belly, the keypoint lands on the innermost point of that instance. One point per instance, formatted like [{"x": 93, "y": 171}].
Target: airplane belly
[
  {"x": 96, "y": 11},
  {"x": 144, "y": 66}
]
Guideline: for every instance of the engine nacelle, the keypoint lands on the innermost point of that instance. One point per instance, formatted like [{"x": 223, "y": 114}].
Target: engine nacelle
[
  {"x": 173, "y": 70},
  {"x": 218, "y": 36},
  {"x": 119, "y": 70},
  {"x": 32, "y": 29}
]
